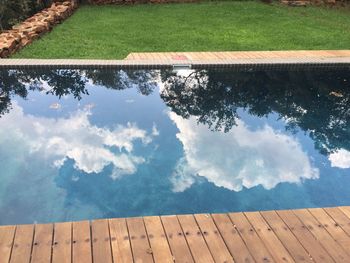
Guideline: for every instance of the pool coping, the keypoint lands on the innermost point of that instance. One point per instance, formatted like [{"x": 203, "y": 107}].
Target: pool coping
[{"x": 309, "y": 62}]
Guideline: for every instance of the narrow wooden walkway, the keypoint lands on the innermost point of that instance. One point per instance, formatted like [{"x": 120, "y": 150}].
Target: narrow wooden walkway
[
  {"x": 229, "y": 55},
  {"x": 306, "y": 235}
]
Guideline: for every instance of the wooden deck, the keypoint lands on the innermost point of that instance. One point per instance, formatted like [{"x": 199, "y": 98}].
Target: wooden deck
[
  {"x": 229, "y": 55},
  {"x": 306, "y": 235}
]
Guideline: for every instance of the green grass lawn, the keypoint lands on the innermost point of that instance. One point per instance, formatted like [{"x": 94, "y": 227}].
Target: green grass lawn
[{"x": 112, "y": 32}]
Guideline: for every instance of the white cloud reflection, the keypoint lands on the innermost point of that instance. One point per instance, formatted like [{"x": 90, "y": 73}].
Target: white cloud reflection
[
  {"x": 239, "y": 158},
  {"x": 340, "y": 159},
  {"x": 92, "y": 148}
]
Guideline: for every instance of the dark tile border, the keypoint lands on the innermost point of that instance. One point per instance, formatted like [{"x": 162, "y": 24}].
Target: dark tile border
[{"x": 241, "y": 64}]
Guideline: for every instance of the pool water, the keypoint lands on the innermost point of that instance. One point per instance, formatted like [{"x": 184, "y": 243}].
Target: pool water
[{"x": 85, "y": 144}]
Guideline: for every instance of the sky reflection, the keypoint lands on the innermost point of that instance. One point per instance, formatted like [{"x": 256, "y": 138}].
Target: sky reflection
[{"x": 77, "y": 144}]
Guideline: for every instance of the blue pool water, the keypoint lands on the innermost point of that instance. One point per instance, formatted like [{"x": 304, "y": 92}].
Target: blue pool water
[{"x": 85, "y": 144}]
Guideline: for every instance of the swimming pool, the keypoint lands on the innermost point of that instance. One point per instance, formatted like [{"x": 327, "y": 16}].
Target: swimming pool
[{"x": 94, "y": 143}]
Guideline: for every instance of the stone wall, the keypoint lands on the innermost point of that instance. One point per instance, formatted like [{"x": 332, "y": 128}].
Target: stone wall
[
  {"x": 122, "y": 2},
  {"x": 34, "y": 27},
  {"x": 314, "y": 2},
  {"x": 288, "y": 2}
]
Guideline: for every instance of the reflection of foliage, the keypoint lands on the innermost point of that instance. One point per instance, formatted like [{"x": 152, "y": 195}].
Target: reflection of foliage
[
  {"x": 65, "y": 82},
  {"x": 62, "y": 82},
  {"x": 142, "y": 80},
  {"x": 59, "y": 82},
  {"x": 10, "y": 85},
  {"x": 318, "y": 102}
]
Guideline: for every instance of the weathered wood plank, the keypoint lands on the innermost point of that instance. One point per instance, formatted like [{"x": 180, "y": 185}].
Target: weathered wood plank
[
  {"x": 141, "y": 248},
  {"x": 340, "y": 218},
  {"x": 120, "y": 241},
  {"x": 332, "y": 228},
  {"x": 176, "y": 239},
  {"x": 233, "y": 240},
  {"x": 7, "y": 234},
  {"x": 195, "y": 240},
  {"x": 286, "y": 236},
  {"x": 309, "y": 242},
  {"x": 101, "y": 241},
  {"x": 42, "y": 244},
  {"x": 22, "y": 246},
  {"x": 333, "y": 249},
  {"x": 159, "y": 243},
  {"x": 213, "y": 238},
  {"x": 270, "y": 240},
  {"x": 81, "y": 242},
  {"x": 250, "y": 237},
  {"x": 62, "y": 243},
  {"x": 305, "y": 235},
  {"x": 345, "y": 210}
]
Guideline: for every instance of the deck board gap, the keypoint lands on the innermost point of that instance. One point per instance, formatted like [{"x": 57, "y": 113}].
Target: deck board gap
[
  {"x": 166, "y": 236},
  {"x": 225, "y": 241},
  {"x": 188, "y": 245},
  {"x": 91, "y": 243},
  {"x": 110, "y": 240},
  {"x": 296, "y": 241},
  {"x": 12, "y": 243},
  {"x": 31, "y": 249},
  {"x": 131, "y": 249},
  {"x": 149, "y": 242},
  {"x": 345, "y": 226},
  {"x": 211, "y": 253}
]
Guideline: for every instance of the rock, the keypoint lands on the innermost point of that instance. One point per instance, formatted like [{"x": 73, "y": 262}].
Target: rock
[
  {"x": 309, "y": 2},
  {"x": 4, "y": 52},
  {"x": 33, "y": 27},
  {"x": 26, "y": 41},
  {"x": 295, "y": 2}
]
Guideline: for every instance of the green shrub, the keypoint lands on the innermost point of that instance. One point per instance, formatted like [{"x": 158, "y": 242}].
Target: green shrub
[{"x": 15, "y": 11}]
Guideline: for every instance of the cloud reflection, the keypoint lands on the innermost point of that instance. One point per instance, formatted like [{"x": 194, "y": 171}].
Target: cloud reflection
[
  {"x": 340, "y": 159},
  {"x": 239, "y": 158},
  {"x": 92, "y": 148}
]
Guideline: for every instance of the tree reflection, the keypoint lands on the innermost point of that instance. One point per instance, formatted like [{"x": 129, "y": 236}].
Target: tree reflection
[
  {"x": 142, "y": 80},
  {"x": 62, "y": 82},
  {"x": 317, "y": 102}
]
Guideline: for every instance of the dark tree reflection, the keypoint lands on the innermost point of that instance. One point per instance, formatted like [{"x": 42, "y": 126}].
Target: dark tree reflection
[
  {"x": 142, "y": 80},
  {"x": 62, "y": 82},
  {"x": 317, "y": 102}
]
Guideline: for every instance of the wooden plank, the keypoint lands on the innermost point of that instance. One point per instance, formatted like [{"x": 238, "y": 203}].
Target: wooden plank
[
  {"x": 213, "y": 238},
  {"x": 250, "y": 237},
  {"x": 81, "y": 242},
  {"x": 340, "y": 218},
  {"x": 176, "y": 239},
  {"x": 141, "y": 249},
  {"x": 287, "y": 238},
  {"x": 120, "y": 241},
  {"x": 333, "y": 249},
  {"x": 7, "y": 234},
  {"x": 232, "y": 239},
  {"x": 159, "y": 243},
  {"x": 22, "y": 246},
  {"x": 101, "y": 241},
  {"x": 195, "y": 240},
  {"x": 309, "y": 242},
  {"x": 345, "y": 210},
  {"x": 62, "y": 243},
  {"x": 270, "y": 240},
  {"x": 332, "y": 228},
  {"x": 42, "y": 244}
]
